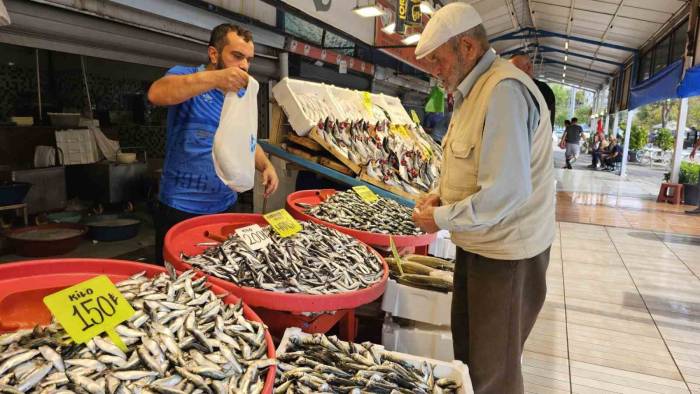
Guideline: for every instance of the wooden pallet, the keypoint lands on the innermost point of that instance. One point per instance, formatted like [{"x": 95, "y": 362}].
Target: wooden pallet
[
  {"x": 393, "y": 189},
  {"x": 314, "y": 135},
  {"x": 334, "y": 165},
  {"x": 306, "y": 142},
  {"x": 301, "y": 153}
]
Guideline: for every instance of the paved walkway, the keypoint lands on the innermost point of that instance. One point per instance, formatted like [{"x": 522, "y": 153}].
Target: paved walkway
[
  {"x": 622, "y": 314},
  {"x": 623, "y": 307}
]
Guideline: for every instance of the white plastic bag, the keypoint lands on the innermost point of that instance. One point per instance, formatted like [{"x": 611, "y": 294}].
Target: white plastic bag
[{"x": 236, "y": 138}]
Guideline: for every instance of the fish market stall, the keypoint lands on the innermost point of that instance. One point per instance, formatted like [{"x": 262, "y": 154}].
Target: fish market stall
[
  {"x": 372, "y": 135},
  {"x": 372, "y": 223},
  {"x": 312, "y": 279},
  {"x": 185, "y": 333}
]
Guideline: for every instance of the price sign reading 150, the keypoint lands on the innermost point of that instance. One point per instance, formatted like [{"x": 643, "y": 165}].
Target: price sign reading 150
[{"x": 90, "y": 308}]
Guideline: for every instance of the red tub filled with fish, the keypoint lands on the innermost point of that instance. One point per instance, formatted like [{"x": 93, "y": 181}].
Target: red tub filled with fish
[
  {"x": 23, "y": 285},
  {"x": 298, "y": 203},
  {"x": 192, "y": 237}
]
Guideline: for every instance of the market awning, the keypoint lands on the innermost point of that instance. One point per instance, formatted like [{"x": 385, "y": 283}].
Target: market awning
[
  {"x": 663, "y": 85},
  {"x": 690, "y": 86}
]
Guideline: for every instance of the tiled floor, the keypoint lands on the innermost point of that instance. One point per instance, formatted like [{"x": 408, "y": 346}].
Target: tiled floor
[{"x": 622, "y": 314}]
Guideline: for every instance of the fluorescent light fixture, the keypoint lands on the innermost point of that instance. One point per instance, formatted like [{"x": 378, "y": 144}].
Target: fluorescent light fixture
[
  {"x": 368, "y": 11},
  {"x": 426, "y": 8},
  {"x": 390, "y": 28},
  {"x": 563, "y": 75},
  {"x": 542, "y": 75},
  {"x": 565, "y": 67},
  {"x": 412, "y": 39},
  {"x": 566, "y": 58},
  {"x": 562, "y": 81},
  {"x": 566, "y": 45}
]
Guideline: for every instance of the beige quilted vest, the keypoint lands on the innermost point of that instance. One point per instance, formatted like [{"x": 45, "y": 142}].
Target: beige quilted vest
[{"x": 529, "y": 230}]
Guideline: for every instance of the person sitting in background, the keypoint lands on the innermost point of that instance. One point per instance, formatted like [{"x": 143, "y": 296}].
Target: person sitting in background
[
  {"x": 598, "y": 140},
  {"x": 613, "y": 156}
]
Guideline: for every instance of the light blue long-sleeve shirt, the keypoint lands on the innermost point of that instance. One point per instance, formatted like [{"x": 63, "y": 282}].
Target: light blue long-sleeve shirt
[{"x": 504, "y": 165}]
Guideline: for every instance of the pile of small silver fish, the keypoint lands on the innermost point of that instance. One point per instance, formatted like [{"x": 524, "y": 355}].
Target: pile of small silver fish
[
  {"x": 398, "y": 155},
  {"x": 182, "y": 340},
  {"x": 316, "y": 260},
  {"x": 347, "y": 209},
  {"x": 317, "y": 363}
]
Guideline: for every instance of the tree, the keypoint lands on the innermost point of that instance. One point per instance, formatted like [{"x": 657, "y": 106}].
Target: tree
[{"x": 561, "y": 94}]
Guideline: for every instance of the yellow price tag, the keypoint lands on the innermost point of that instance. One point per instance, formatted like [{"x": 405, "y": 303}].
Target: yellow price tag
[
  {"x": 366, "y": 194},
  {"x": 415, "y": 117},
  {"x": 367, "y": 101},
  {"x": 283, "y": 223},
  {"x": 90, "y": 308}
]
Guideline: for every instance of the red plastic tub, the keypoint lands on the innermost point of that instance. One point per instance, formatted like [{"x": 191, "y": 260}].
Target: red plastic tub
[
  {"x": 314, "y": 197},
  {"x": 24, "y": 285},
  {"x": 185, "y": 236},
  {"x": 47, "y": 239}
]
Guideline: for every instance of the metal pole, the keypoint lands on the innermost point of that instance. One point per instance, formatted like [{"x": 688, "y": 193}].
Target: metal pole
[
  {"x": 625, "y": 151},
  {"x": 572, "y": 103},
  {"x": 616, "y": 123},
  {"x": 87, "y": 89},
  {"x": 284, "y": 64},
  {"x": 680, "y": 136},
  {"x": 38, "y": 85}
]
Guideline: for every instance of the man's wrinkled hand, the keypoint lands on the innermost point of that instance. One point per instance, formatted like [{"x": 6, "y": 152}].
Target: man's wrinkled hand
[
  {"x": 430, "y": 200},
  {"x": 424, "y": 219}
]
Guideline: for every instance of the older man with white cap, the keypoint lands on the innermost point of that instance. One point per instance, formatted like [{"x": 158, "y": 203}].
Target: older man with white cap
[{"x": 495, "y": 196}]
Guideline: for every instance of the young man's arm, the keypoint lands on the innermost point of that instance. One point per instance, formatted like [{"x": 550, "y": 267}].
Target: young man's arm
[{"x": 175, "y": 89}]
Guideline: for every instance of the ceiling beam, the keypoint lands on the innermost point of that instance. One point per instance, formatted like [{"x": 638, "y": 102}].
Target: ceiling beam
[
  {"x": 529, "y": 32},
  {"x": 544, "y": 49},
  {"x": 551, "y": 61}
]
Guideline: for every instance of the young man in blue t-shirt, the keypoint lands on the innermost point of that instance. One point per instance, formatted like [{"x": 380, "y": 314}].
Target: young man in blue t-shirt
[{"x": 189, "y": 185}]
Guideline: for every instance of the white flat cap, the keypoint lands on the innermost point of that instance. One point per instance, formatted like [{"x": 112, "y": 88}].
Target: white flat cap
[{"x": 447, "y": 22}]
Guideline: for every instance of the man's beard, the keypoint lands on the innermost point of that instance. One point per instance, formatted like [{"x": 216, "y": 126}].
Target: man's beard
[{"x": 219, "y": 63}]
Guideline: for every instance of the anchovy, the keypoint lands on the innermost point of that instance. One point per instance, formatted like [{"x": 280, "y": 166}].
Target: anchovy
[
  {"x": 329, "y": 365},
  {"x": 157, "y": 360},
  {"x": 383, "y": 216},
  {"x": 316, "y": 260}
]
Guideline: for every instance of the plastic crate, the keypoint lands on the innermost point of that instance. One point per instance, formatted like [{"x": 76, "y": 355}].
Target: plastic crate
[
  {"x": 442, "y": 246},
  {"x": 443, "y": 369},
  {"x": 419, "y": 339},
  {"x": 78, "y": 146},
  {"x": 426, "y": 306}
]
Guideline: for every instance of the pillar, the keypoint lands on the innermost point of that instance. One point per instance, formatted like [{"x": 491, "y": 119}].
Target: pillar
[
  {"x": 572, "y": 103},
  {"x": 626, "y": 149},
  {"x": 284, "y": 64},
  {"x": 680, "y": 136}
]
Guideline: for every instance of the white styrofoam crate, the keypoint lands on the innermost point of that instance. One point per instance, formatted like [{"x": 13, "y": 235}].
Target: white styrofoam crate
[
  {"x": 442, "y": 246},
  {"x": 455, "y": 370},
  {"x": 287, "y": 92},
  {"x": 426, "y": 306},
  {"x": 393, "y": 107},
  {"x": 78, "y": 146},
  {"x": 350, "y": 103},
  {"x": 419, "y": 339}
]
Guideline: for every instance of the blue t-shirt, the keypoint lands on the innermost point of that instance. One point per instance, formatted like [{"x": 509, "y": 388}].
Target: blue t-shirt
[{"x": 189, "y": 182}]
